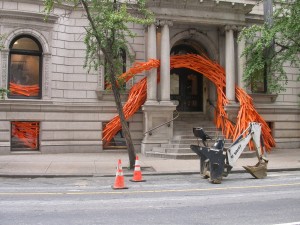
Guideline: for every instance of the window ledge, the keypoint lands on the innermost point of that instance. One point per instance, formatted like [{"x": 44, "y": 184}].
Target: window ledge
[
  {"x": 105, "y": 95},
  {"x": 263, "y": 98}
]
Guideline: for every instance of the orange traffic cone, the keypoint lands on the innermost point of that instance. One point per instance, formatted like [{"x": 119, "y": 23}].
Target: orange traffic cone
[
  {"x": 137, "y": 174},
  {"x": 119, "y": 181}
]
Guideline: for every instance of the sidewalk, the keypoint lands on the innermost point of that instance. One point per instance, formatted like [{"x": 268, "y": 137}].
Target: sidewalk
[{"x": 104, "y": 164}]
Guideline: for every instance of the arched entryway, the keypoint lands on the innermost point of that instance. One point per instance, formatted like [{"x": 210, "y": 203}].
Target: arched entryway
[{"x": 186, "y": 86}]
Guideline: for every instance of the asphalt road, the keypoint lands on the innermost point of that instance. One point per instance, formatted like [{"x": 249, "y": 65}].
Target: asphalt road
[{"x": 174, "y": 199}]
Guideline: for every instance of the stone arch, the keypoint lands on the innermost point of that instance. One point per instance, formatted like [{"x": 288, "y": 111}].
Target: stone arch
[
  {"x": 200, "y": 40},
  {"x": 198, "y": 37},
  {"x": 34, "y": 33}
]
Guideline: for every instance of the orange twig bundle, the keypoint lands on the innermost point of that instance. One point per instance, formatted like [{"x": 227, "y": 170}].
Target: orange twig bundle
[
  {"x": 248, "y": 113},
  {"x": 137, "y": 97},
  {"x": 214, "y": 72},
  {"x": 138, "y": 67},
  {"x": 27, "y": 132},
  {"x": 26, "y": 90}
]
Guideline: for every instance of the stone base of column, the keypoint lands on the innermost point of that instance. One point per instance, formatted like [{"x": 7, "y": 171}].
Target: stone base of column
[
  {"x": 232, "y": 110},
  {"x": 166, "y": 103},
  {"x": 155, "y": 115},
  {"x": 151, "y": 103}
]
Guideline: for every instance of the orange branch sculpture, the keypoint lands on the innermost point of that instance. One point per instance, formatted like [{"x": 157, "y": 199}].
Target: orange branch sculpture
[
  {"x": 27, "y": 132},
  {"x": 137, "y": 97},
  {"x": 26, "y": 90},
  {"x": 215, "y": 73}
]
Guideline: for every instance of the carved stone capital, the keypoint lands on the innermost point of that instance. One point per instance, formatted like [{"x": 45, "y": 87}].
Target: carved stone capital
[
  {"x": 230, "y": 27},
  {"x": 166, "y": 22},
  {"x": 156, "y": 23}
]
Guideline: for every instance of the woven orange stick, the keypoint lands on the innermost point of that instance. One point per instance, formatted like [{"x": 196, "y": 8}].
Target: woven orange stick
[
  {"x": 214, "y": 72},
  {"x": 26, "y": 90},
  {"x": 27, "y": 132}
]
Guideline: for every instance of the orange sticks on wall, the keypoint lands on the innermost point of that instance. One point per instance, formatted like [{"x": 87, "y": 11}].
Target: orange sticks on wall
[
  {"x": 248, "y": 113},
  {"x": 26, "y": 90},
  {"x": 215, "y": 73},
  {"x": 137, "y": 97},
  {"x": 27, "y": 132}
]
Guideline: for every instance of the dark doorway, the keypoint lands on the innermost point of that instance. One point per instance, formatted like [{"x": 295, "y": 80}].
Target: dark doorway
[
  {"x": 187, "y": 89},
  {"x": 186, "y": 84}
]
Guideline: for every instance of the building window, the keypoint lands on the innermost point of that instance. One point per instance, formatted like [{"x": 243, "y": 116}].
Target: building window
[
  {"x": 25, "y": 68},
  {"x": 24, "y": 136},
  {"x": 259, "y": 82}
]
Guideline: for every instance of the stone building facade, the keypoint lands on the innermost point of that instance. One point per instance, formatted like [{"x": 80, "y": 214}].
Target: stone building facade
[{"x": 72, "y": 106}]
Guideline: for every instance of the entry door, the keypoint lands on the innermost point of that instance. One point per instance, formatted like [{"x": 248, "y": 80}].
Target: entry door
[{"x": 187, "y": 89}]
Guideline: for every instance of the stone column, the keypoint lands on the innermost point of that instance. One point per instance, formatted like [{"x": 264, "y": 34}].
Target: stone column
[
  {"x": 165, "y": 61},
  {"x": 241, "y": 61},
  {"x": 229, "y": 63},
  {"x": 152, "y": 74},
  {"x": 158, "y": 117}
]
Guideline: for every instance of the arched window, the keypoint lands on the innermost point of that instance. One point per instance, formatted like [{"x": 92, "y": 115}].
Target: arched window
[{"x": 25, "y": 68}]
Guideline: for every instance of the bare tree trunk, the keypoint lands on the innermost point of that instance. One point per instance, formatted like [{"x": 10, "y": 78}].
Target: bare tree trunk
[
  {"x": 125, "y": 128},
  {"x": 112, "y": 73}
]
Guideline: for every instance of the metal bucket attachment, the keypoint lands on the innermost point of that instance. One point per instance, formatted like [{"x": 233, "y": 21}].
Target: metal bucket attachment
[{"x": 258, "y": 171}]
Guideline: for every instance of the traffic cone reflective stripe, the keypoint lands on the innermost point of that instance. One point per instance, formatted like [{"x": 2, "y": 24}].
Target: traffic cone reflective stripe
[
  {"x": 137, "y": 174},
  {"x": 119, "y": 181}
]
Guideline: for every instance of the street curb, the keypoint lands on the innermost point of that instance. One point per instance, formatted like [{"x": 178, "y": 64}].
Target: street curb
[{"x": 128, "y": 175}]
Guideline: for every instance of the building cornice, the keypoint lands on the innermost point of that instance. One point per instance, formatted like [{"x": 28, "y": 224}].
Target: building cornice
[
  {"x": 213, "y": 12},
  {"x": 22, "y": 15}
]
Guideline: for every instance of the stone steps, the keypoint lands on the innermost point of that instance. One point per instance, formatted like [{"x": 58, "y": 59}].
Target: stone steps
[{"x": 179, "y": 147}]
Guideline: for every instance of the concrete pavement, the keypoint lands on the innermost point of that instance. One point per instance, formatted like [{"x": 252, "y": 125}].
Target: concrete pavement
[{"x": 104, "y": 164}]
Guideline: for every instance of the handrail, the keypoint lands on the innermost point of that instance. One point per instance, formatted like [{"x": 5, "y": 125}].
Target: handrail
[
  {"x": 168, "y": 122},
  {"x": 223, "y": 117}
]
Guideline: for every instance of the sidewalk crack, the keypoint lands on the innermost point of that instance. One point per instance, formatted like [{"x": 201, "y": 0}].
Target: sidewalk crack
[{"x": 48, "y": 168}]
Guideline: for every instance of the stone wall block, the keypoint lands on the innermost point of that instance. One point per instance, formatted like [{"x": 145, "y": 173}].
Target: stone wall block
[
  {"x": 75, "y": 77},
  {"x": 26, "y": 116},
  {"x": 64, "y": 85},
  {"x": 58, "y": 44},
  {"x": 28, "y": 7},
  {"x": 57, "y": 93},
  {"x": 4, "y": 125},
  {"x": 287, "y": 133},
  {"x": 74, "y": 61},
  {"x": 4, "y": 136},
  {"x": 85, "y": 86},
  {"x": 74, "y": 94},
  {"x": 10, "y": 5},
  {"x": 71, "y": 125}
]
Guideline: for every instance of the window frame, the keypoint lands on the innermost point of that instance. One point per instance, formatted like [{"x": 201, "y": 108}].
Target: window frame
[
  {"x": 26, "y": 52},
  {"x": 24, "y": 147}
]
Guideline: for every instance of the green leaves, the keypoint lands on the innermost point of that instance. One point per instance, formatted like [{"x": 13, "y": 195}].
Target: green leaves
[
  {"x": 108, "y": 30},
  {"x": 272, "y": 46},
  {"x": 3, "y": 92}
]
